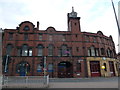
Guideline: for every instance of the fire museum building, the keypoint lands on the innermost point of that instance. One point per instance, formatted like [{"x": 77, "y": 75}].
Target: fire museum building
[{"x": 28, "y": 51}]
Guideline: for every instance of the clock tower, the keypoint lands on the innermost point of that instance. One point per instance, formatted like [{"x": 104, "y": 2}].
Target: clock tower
[{"x": 73, "y": 22}]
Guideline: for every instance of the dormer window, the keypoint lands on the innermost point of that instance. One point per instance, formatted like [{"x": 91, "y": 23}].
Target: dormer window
[{"x": 26, "y": 28}]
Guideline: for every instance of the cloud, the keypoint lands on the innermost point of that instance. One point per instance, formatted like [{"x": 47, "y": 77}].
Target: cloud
[{"x": 95, "y": 14}]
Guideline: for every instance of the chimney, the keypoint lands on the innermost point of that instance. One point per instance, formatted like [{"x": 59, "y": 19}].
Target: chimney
[{"x": 38, "y": 25}]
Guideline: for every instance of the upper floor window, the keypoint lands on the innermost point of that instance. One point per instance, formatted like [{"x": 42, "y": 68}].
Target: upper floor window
[
  {"x": 10, "y": 36},
  {"x": 96, "y": 51},
  {"x": 40, "y": 37},
  {"x": 100, "y": 40},
  {"x": 40, "y": 50},
  {"x": 9, "y": 49},
  {"x": 30, "y": 52},
  {"x": 50, "y": 50},
  {"x": 25, "y": 51},
  {"x": 94, "y": 39},
  {"x": 108, "y": 53},
  {"x": 76, "y": 35},
  {"x": 63, "y": 38},
  {"x": 50, "y": 37},
  {"x": 25, "y": 36},
  {"x": 87, "y": 38},
  {"x": 19, "y": 52},
  {"x": 65, "y": 51},
  {"x": 89, "y": 52},
  {"x": 26, "y": 28},
  {"x": 77, "y": 49},
  {"x": 102, "y": 51},
  {"x": 92, "y": 51}
]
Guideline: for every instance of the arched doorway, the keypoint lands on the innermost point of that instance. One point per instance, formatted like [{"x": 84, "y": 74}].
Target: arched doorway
[
  {"x": 65, "y": 70},
  {"x": 23, "y": 68}
]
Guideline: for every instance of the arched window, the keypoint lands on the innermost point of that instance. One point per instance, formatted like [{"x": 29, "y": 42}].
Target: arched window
[
  {"x": 96, "y": 51},
  {"x": 9, "y": 49},
  {"x": 50, "y": 50},
  {"x": 111, "y": 53},
  {"x": 108, "y": 52},
  {"x": 26, "y": 28},
  {"x": 25, "y": 50},
  {"x": 50, "y": 67},
  {"x": 89, "y": 52},
  {"x": 40, "y": 50},
  {"x": 92, "y": 51},
  {"x": 64, "y": 50}
]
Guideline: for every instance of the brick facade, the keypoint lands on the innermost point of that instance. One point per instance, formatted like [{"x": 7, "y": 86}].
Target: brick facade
[{"x": 78, "y": 48}]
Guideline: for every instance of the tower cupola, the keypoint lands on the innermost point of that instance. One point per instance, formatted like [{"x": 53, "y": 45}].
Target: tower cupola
[{"x": 73, "y": 13}]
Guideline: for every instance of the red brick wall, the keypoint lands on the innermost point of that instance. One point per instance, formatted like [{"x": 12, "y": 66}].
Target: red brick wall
[{"x": 74, "y": 39}]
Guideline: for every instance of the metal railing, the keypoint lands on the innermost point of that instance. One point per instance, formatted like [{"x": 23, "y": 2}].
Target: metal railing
[{"x": 25, "y": 82}]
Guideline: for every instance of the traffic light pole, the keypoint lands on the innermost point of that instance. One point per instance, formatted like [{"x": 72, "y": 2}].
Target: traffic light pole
[{"x": 6, "y": 64}]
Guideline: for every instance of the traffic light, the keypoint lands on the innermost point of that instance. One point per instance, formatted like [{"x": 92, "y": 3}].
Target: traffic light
[{"x": 42, "y": 62}]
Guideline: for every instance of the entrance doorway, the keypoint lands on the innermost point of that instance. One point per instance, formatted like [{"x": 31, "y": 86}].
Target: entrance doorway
[
  {"x": 95, "y": 68},
  {"x": 65, "y": 70}
]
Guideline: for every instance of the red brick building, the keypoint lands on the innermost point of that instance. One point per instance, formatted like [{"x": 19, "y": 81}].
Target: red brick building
[{"x": 69, "y": 53}]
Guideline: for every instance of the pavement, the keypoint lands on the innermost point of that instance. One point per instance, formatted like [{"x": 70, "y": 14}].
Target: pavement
[{"x": 99, "y": 82}]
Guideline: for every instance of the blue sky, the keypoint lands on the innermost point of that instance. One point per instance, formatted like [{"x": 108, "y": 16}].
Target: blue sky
[{"x": 95, "y": 14}]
